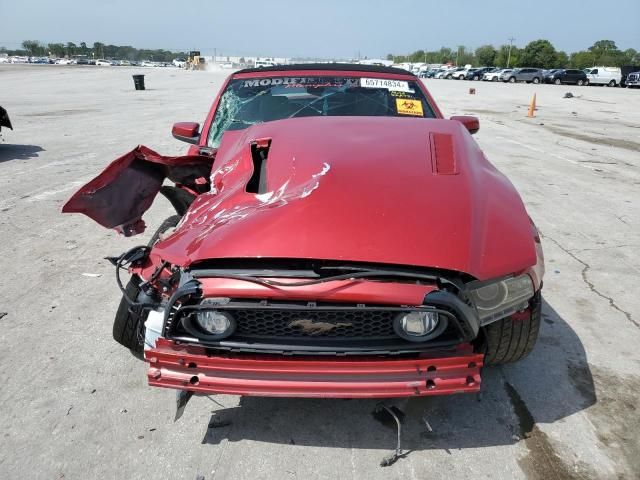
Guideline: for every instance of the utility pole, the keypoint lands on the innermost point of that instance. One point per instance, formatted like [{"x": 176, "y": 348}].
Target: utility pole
[{"x": 510, "y": 45}]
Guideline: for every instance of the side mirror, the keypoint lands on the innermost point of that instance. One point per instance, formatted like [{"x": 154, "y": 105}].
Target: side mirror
[
  {"x": 470, "y": 123},
  {"x": 186, "y": 132}
]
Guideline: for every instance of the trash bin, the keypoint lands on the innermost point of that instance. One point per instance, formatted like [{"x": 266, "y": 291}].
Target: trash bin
[{"x": 138, "y": 81}]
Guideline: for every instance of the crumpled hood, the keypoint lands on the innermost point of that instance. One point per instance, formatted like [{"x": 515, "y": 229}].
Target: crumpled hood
[{"x": 371, "y": 189}]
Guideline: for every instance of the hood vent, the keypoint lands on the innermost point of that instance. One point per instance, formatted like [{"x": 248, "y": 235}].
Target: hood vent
[
  {"x": 259, "y": 153},
  {"x": 443, "y": 159}
]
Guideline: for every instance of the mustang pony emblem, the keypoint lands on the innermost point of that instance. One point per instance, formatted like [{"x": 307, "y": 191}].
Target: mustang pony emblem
[{"x": 316, "y": 328}]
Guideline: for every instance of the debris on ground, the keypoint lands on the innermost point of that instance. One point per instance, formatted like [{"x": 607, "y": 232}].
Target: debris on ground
[
  {"x": 384, "y": 414},
  {"x": 3, "y": 314},
  {"x": 92, "y": 275},
  {"x": 568, "y": 95}
]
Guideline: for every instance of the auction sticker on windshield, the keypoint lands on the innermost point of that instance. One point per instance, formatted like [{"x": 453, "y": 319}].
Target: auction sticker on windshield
[{"x": 394, "y": 85}]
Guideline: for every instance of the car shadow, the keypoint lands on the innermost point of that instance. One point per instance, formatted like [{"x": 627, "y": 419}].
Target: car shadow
[
  {"x": 552, "y": 383},
  {"x": 18, "y": 152}
]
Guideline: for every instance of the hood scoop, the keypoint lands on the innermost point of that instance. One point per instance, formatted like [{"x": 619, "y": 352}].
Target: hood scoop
[{"x": 443, "y": 159}]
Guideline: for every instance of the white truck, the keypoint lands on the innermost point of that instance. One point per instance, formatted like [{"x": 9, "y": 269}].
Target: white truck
[{"x": 609, "y": 76}]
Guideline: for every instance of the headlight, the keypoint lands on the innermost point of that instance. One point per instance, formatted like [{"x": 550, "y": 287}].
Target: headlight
[
  {"x": 501, "y": 299},
  {"x": 213, "y": 321},
  {"x": 419, "y": 326},
  {"x": 210, "y": 324}
]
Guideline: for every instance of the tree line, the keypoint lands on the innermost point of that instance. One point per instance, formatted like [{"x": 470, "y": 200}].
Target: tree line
[
  {"x": 539, "y": 53},
  {"x": 34, "y": 48}
]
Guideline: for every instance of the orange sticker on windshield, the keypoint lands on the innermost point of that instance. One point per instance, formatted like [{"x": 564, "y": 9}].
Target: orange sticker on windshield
[{"x": 406, "y": 106}]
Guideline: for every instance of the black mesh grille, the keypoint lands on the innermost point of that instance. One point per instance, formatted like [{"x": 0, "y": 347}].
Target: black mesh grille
[{"x": 315, "y": 324}]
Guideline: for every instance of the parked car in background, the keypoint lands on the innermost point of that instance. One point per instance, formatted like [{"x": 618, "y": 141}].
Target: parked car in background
[
  {"x": 633, "y": 79},
  {"x": 179, "y": 62},
  {"x": 560, "y": 76},
  {"x": 64, "y": 61},
  {"x": 454, "y": 73},
  {"x": 478, "y": 73},
  {"x": 102, "y": 62},
  {"x": 626, "y": 71},
  {"x": 82, "y": 61},
  {"x": 494, "y": 76},
  {"x": 442, "y": 73},
  {"x": 460, "y": 73},
  {"x": 609, "y": 76},
  {"x": 528, "y": 75}
]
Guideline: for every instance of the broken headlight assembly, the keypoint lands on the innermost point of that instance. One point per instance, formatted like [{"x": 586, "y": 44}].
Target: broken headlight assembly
[{"x": 502, "y": 298}]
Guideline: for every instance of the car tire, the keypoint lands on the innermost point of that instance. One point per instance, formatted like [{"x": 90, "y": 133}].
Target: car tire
[
  {"x": 495, "y": 79},
  {"x": 128, "y": 325},
  {"x": 512, "y": 80},
  {"x": 476, "y": 78},
  {"x": 586, "y": 82},
  {"x": 509, "y": 340},
  {"x": 580, "y": 83},
  {"x": 557, "y": 81},
  {"x": 612, "y": 83},
  {"x": 536, "y": 80}
]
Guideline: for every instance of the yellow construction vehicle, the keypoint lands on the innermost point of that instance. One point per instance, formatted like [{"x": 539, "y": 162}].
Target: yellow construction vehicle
[{"x": 195, "y": 61}]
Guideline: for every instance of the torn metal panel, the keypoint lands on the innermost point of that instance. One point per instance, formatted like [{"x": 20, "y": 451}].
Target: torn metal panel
[{"x": 119, "y": 196}]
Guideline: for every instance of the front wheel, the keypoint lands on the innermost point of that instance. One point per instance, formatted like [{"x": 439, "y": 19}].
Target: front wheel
[
  {"x": 495, "y": 79},
  {"x": 512, "y": 80},
  {"x": 511, "y": 339},
  {"x": 580, "y": 83},
  {"x": 612, "y": 83},
  {"x": 536, "y": 80},
  {"x": 557, "y": 81},
  {"x": 476, "y": 78},
  {"x": 128, "y": 325}
]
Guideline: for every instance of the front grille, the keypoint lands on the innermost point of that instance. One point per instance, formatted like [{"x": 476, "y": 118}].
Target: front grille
[{"x": 372, "y": 324}]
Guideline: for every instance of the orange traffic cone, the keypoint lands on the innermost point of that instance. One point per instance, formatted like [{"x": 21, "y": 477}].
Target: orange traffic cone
[{"x": 532, "y": 107}]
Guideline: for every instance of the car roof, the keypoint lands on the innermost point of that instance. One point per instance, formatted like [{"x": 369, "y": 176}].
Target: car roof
[{"x": 333, "y": 67}]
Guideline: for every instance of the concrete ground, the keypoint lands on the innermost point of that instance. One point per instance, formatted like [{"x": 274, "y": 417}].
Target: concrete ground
[{"x": 76, "y": 405}]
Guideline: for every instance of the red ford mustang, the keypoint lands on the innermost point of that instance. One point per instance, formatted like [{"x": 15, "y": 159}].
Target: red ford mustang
[{"x": 334, "y": 236}]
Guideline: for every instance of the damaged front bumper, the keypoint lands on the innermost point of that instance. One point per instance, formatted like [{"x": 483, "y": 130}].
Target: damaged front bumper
[{"x": 192, "y": 368}]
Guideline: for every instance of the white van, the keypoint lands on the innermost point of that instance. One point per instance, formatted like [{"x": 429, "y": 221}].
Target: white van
[
  {"x": 609, "y": 76},
  {"x": 264, "y": 63}
]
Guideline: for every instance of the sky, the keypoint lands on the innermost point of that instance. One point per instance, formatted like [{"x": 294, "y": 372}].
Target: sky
[{"x": 320, "y": 28}]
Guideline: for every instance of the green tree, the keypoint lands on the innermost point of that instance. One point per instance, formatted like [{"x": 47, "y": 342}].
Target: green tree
[
  {"x": 503, "y": 59},
  {"x": 83, "y": 48},
  {"x": 464, "y": 56},
  {"x": 562, "y": 60},
  {"x": 606, "y": 52},
  {"x": 582, "y": 59},
  {"x": 57, "y": 49},
  {"x": 98, "y": 50},
  {"x": 486, "y": 55},
  {"x": 33, "y": 47},
  {"x": 539, "y": 53},
  {"x": 631, "y": 57},
  {"x": 71, "y": 49}
]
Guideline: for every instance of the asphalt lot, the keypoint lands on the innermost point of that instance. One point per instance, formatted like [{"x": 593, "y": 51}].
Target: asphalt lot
[{"x": 76, "y": 405}]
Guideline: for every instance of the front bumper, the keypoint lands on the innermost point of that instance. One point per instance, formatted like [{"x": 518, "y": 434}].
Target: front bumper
[{"x": 188, "y": 367}]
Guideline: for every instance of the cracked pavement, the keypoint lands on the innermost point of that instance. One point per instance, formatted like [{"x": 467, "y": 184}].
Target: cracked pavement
[{"x": 76, "y": 405}]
